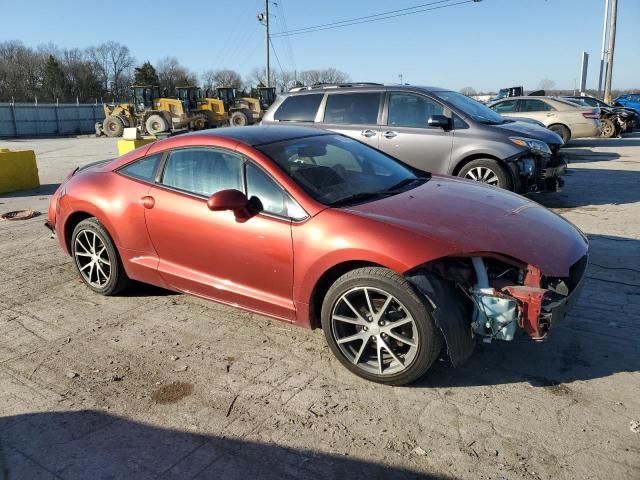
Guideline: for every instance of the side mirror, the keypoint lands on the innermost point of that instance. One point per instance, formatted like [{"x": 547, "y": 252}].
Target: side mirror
[
  {"x": 439, "y": 121},
  {"x": 242, "y": 207},
  {"x": 227, "y": 200}
]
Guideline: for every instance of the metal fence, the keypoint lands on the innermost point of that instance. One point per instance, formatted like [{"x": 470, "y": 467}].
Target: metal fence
[{"x": 48, "y": 119}]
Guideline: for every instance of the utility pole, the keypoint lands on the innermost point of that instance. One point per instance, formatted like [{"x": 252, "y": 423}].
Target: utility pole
[
  {"x": 603, "y": 51},
  {"x": 612, "y": 43},
  {"x": 264, "y": 19}
]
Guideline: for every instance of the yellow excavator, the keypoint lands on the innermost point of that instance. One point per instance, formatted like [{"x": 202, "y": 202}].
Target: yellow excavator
[{"x": 151, "y": 113}]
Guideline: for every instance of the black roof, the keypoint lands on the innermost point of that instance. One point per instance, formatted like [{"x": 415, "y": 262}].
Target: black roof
[{"x": 261, "y": 134}]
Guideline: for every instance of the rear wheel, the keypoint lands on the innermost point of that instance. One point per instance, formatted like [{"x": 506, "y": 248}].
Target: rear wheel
[
  {"x": 608, "y": 129},
  {"x": 486, "y": 170},
  {"x": 378, "y": 326},
  {"x": 97, "y": 259},
  {"x": 156, "y": 124},
  {"x": 239, "y": 119},
  {"x": 113, "y": 126},
  {"x": 561, "y": 130}
]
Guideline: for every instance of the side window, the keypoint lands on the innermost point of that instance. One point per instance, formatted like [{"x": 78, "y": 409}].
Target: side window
[
  {"x": 507, "y": 106},
  {"x": 299, "y": 108},
  {"x": 407, "y": 110},
  {"x": 534, "y": 106},
  {"x": 143, "y": 169},
  {"x": 273, "y": 198},
  {"x": 352, "y": 108},
  {"x": 202, "y": 171}
]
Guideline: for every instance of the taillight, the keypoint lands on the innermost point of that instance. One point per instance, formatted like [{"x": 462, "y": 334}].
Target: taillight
[{"x": 592, "y": 115}]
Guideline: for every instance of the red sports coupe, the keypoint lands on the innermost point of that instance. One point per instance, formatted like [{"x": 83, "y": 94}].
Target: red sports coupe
[{"x": 320, "y": 230}]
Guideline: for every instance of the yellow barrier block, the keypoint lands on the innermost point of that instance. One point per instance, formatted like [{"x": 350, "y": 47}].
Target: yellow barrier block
[
  {"x": 18, "y": 170},
  {"x": 126, "y": 146}
]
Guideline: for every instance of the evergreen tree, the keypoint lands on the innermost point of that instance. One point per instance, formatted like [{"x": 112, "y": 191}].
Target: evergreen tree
[{"x": 146, "y": 75}]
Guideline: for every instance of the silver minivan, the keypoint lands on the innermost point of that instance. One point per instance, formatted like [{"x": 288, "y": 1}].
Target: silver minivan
[{"x": 432, "y": 129}]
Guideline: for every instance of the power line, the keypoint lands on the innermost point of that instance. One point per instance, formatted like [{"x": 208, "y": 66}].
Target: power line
[
  {"x": 285, "y": 28},
  {"x": 276, "y": 55},
  {"x": 374, "y": 18}
]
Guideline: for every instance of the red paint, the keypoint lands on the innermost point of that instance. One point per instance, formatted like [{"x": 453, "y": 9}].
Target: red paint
[{"x": 270, "y": 265}]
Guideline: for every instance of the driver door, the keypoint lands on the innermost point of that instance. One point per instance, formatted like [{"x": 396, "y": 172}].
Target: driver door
[{"x": 211, "y": 254}]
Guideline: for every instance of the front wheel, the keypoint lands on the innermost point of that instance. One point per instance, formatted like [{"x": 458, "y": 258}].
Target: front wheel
[
  {"x": 378, "y": 326},
  {"x": 239, "y": 119},
  {"x": 487, "y": 171},
  {"x": 97, "y": 259}
]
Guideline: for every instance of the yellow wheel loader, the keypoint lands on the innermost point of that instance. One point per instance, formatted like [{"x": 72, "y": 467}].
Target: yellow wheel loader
[
  {"x": 151, "y": 113},
  {"x": 211, "y": 108}
]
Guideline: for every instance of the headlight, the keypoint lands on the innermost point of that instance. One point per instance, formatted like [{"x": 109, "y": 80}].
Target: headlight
[{"x": 534, "y": 145}]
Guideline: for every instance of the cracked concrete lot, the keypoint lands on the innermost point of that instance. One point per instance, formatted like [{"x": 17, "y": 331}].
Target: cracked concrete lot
[{"x": 152, "y": 384}]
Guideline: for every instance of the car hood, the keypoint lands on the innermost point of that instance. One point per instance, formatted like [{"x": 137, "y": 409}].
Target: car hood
[
  {"x": 476, "y": 218},
  {"x": 531, "y": 130}
]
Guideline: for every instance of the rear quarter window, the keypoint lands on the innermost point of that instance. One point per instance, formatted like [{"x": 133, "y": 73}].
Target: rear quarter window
[
  {"x": 299, "y": 108},
  {"x": 143, "y": 169}
]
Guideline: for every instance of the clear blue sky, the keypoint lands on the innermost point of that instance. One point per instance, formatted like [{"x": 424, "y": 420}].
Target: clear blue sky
[{"x": 485, "y": 45}]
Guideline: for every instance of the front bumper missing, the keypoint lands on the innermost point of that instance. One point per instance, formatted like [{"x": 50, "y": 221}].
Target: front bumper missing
[{"x": 541, "y": 308}]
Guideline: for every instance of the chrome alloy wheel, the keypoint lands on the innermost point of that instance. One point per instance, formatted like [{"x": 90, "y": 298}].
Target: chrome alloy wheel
[
  {"x": 92, "y": 258},
  {"x": 374, "y": 331},
  {"x": 483, "y": 175}
]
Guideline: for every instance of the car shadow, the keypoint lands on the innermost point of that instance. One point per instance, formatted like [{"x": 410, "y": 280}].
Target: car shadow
[
  {"x": 584, "y": 155},
  {"x": 627, "y": 140},
  {"x": 586, "y": 188},
  {"x": 599, "y": 338},
  {"x": 139, "y": 289},
  {"x": 42, "y": 190},
  {"x": 94, "y": 444}
]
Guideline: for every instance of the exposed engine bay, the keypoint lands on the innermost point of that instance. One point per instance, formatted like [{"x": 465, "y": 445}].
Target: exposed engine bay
[{"x": 501, "y": 297}]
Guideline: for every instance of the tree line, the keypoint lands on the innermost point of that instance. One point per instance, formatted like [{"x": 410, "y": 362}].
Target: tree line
[{"x": 103, "y": 73}]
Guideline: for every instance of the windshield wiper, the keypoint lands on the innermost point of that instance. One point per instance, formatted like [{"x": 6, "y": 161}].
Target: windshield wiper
[
  {"x": 405, "y": 182},
  {"x": 359, "y": 197}
]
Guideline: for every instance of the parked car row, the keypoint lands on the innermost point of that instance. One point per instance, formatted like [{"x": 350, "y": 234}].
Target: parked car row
[
  {"x": 561, "y": 116},
  {"x": 434, "y": 130},
  {"x": 615, "y": 119}
]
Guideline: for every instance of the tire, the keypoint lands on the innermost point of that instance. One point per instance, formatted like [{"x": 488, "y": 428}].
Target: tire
[
  {"x": 608, "y": 129},
  {"x": 239, "y": 119},
  {"x": 107, "y": 275},
  {"x": 113, "y": 126},
  {"x": 156, "y": 124},
  {"x": 362, "y": 355},
  {"x": 561, "y": 130},
  {"x": 486, "y": 170}
]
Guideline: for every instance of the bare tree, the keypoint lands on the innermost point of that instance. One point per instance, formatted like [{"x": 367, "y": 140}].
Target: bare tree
[
  {"x": 21, "y": 71},
  {"x": 468, "y": 91},
  {"x": 546, "y": 84},
  {"x": 327, "y": 75},
  {"x": 171, "y": 75},
  {"x": 114, "y": 65},
  {"x": 221, "y": 78}
]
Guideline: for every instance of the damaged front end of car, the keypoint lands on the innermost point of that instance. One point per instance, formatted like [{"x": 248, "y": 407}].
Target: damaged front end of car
[{"x": 491, "y": 297}]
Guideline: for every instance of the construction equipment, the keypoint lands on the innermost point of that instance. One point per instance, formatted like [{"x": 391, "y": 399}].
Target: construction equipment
[
  {"x": 266, "y": 96},
  {"x": 212, "y": 108},
  {"x": 151, "y": 113},
  {"x": 241, "y": 110}
]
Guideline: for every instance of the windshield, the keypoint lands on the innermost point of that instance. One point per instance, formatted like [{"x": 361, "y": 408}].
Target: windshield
[
  {"x": 337, "y": 170},
  {"x": 470, "y": 107}
]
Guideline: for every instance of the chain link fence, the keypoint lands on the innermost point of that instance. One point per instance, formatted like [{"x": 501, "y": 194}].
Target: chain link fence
[{"x": 48, "y": 119}]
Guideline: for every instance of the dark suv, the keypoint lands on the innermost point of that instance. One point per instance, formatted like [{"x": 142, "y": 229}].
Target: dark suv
[{"x": 432, "y": 129}]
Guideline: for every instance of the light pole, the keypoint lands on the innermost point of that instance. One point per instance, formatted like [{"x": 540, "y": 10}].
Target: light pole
[
  {"x": 263, "y": 18},
  {"x": 604, "y": 46},
  {"x": 612, "y": 44}
]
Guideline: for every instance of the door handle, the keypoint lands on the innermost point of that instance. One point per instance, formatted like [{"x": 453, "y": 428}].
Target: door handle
[
  {"x": 368, "y": 133},
  {"x": 390, "y": 134},
  {"x": 147, "y": 201}
]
